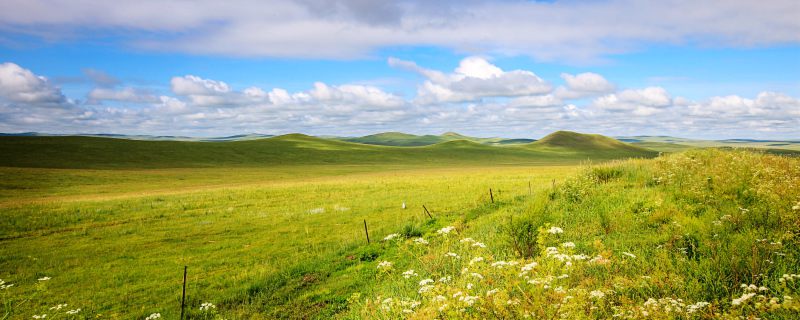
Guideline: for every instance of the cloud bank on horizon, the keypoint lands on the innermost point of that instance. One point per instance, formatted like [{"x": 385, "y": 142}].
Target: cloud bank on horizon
[{"x": 477, "y": 96}]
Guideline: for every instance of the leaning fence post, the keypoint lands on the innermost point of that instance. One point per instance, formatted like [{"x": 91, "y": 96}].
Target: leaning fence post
[
  {"x": 366, "y": 231},
  {"x": 491, "y": 196},
  {"x": 183, "y": 296},
  {"x": 427, "y": 212}
]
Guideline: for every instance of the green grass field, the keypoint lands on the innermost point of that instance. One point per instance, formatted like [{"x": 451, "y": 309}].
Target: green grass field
[{"x": 273, "y": 228}]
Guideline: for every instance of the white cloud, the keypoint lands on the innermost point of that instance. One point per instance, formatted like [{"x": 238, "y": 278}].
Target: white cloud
[
  {"x": 22, "y": 86},
  {"x": 26, "y": 104},
  {"x": 584, "y": 85},
  {"x": 641, "y": 102},
  {"x": 190, "y": 85},
  {"x": 560, "y": 30},
  {"x": 474, "y": 78},
  {"x": 127, "y": 94}
]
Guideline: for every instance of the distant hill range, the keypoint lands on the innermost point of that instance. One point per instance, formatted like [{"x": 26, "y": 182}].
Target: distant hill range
[
  {"x": 297, "y": 149},
  {"x": 410, "y": 140}
]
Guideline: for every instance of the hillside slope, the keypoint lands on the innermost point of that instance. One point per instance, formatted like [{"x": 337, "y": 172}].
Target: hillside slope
[
  {"x": 292, "y": 149},
  {"x": 589, "y": 144}
]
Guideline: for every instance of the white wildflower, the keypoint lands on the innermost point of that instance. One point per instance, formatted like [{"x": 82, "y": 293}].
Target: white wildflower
[
  {"x": 425, "y": 288},
  {"x": 491, "y": 292},
  {"x": 58, "y": 306},
  {"x": 74, "y": 311},
  {"x": 425, "y": 282},
  {"x": 475, "y": 260},
  {"x": 391, "y": 237},
  {"x": 409, "y": 273},
  {"x": 446, "y": 230},
  {"x": 476, "y": 275},
  {"x": 207, "y": 306},
  {"x": 629, "y": 254},
  {"x": 316, "y": 210},
  {"x": 41, "y": 316},
  {"x": 445, "y": 279},
  {"x": 499, "y": 264},
  {"x": 44, "y": 278},
  {"x": 597, "y": 294},
  {"x": 385, "y": 266},
  {"x": 568, "y": 245},
  {"x": 421, "y": 241},
  {"x": 479, "y": 245},
  {"x": 153, "y": 316},
  {"x": 467, "y": 240},
  {"x": 555, "y": 230},
  {"x": 743, "y": 298},
  {"x": 451, "y": 254}
]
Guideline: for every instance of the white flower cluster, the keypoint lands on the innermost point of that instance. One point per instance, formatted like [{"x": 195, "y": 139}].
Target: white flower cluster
[
  {"x": 385, "y": 266},
  {"x": 421, "y": 241},
  {"x": 74, "y": 311},
  {"x": 409, "y": 273},
  {"x": 446, "y": 230},
  {"x": 207, "y": 306},
  {"x": 4, "y": 285},
  {"x": 39, "y": 316},
  {"x": 153, "y": 316},
  {"x": 555, "y": 230},
  {"x": 391, "y": 237},
  {"x": 784, "y": 277},
  {"x": 58, "y": 306}
]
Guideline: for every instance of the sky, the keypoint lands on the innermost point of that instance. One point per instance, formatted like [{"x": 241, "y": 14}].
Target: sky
[{"x": 517, "y": 69}]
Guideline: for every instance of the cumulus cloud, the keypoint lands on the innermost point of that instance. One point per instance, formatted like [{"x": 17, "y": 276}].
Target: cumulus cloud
[
  {"x": 20, "y": 85},
  {"x": 127, "y": 94},
  {"x": 639, "y": 102},
  {"x": 560, "y": 30},
  {"x": 198, "y": 106},
  {"x": 584, "y": 85},
  {"x": 474, "y": 78}
]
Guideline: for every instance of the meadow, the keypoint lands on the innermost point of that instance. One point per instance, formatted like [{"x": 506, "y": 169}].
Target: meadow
[{"x": 560, "y": 236}]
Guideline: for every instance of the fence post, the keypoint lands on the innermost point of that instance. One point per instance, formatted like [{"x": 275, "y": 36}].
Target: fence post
[
  {"x": 491, "y": 196},
  {"x": 183, "y": 296},
  {"x": 426, "y": 211},
  {"x": 366, "y": 231}
]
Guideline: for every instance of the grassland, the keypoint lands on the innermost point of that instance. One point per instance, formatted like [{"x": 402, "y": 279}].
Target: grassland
[{"x": 273, "y": 228}]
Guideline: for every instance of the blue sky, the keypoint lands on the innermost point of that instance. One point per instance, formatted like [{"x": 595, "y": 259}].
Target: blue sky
[{"x": 322, "y": 67}]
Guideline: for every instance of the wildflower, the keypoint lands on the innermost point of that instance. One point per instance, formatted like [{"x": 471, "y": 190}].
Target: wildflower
[
  {"x": 4, "y": 286},
  {"x": 44, "y": 278},
  {"x": 74, "y": 311},
  {"x": 207, "y": 306},
  {"x": 529, "y": 267},
  {"x": 439, "y": 298},
  {"x": 568, "y": 245},
  {"x": 743, "y": 298},
  {"x": 475, "y": 260},
  {"x": 555, "y": 230},
  {"x": 421, "y": 241},
  {"x": 316, "y": 210},
  {"x": 445, "y": 279},
  {"x": 563, "y": 276},
  {"x": 409, "y": 273},
  {"x": 692, "y": 308},
  {"x": 425, "y": 282},
  {"x": 385, "y": 266},
  {"x": 40, "y": 316},
  {"x": 629, "y": 254},
  {"x": 153, "y": 316},
  {"x": 467, "y": 240},
  {"x": 499, "y": 264},
  {"x": 446, "y": 230},
  {"x": 476, "y": 275},
  {"x": 597, "y": 294},
  {"x": 450, "y": 254},
  {"x": 479, "y": 245},
  {"x": 491, "y": 292},
  {"x": 425, "y": 288},
  {"x": 469, "y": 286},
  {"x": 391, "y": 237},
  {"x": 58, "y": 306}
]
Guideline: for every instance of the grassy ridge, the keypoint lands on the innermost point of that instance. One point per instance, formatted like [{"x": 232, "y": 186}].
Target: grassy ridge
[
  {"x": 293, "y": 149},
  {"x": 696, "y": 235}
]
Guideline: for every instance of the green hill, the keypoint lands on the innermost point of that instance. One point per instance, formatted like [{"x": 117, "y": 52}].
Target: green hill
[
  {"x": 294, "y": 149},
  {"x": 400, "y": 139},
  {"x": 589, "y": 144}
]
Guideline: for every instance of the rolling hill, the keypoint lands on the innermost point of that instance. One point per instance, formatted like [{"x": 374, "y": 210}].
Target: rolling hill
[
  {"x": 296, "y": 149},
  {"x": 409, "y": 140},
  {"x": 569, "y": 142}
]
